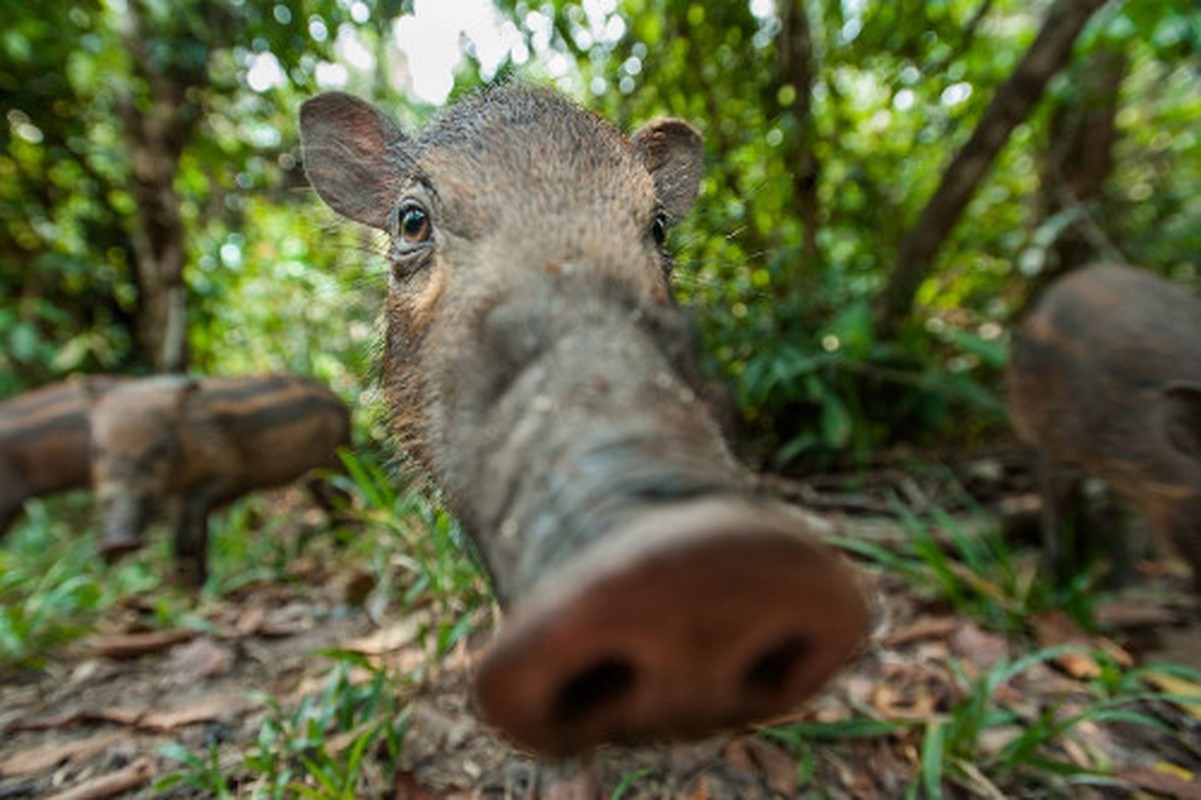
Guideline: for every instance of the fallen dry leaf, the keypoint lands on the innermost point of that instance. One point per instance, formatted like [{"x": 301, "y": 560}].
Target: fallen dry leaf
[
  {"x": 1055, "y": 628},
  {"x": 569, "y": 782},
  {"x": 754, "y": 755},
  {"x": 978, "y": 647},
  {"x": 111, "y": 784},
  {"x": 924, "y": 628},
  {"x": 289, "y": 620},
  {"x": 250, "y": 620},
  {"x": 407, "y": 787},
  {"x": 198, "y": 659},
  {"x": 1162, "y": 782},
  {"x": 118, "y": 714},
  {"x": 913, "y": 702},
  {"x": 1183, "y": 690},
  {"x": 49, "y": 755},
  {"x": 131, "y": 645},
  {"x": 394, "y": 637},
  {"x": 46, "y": 723},
  {"x": 1126, "y": 613},
  {"x": 700, "y": 791},
  {"x": 205, "y": 709}
]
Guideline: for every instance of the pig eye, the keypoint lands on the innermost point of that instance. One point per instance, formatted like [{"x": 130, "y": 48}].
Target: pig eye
[
  {"x": 415, "y": 226},
  {"x": 659, "y": 229}
]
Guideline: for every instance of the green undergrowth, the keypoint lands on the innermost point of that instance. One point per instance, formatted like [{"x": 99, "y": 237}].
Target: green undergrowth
[
  {"x": 986, "y": 744},
  {"x": 997, "y": 733},
  {"x": 336, "y": 743},
  {"x": 976, "y": 571},
  {"x": 53, "y": 585},
  {"x": 341, "y": 742}
]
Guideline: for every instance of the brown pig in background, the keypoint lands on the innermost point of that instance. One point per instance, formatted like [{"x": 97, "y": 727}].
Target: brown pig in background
[
  {"x": 192, "y": 444},
  {"x": 1106, "y": 376},
  {"x": 44, "y": 442}
]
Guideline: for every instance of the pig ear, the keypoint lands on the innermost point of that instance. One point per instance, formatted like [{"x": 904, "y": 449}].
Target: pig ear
[
  {"x": 1180, "y": 417},
  {"x": 672, "y": 151},
  {"x": 353, "y": 156},
  {"x": 186, "y": 387},
  {"x": 92, "y": 389}
]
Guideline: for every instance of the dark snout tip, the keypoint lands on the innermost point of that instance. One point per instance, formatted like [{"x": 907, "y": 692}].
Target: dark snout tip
[
  {"x": 116, "y": 545},
  {"x": 693, "y": 619}
]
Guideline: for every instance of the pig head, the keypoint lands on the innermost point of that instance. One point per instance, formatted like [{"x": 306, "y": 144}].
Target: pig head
[{"x": 539, "y": 369}]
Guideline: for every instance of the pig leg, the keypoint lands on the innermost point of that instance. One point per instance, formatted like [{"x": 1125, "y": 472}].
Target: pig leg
[
  {"x": 13, "y": 493},
  {"x": 7, "y": 515},
  {"x": 1121, "y": 540},
  {"x": 1062, "y": 497},
  {"x": 191, "y": 541},
  {"x": 330, "y": 499}
]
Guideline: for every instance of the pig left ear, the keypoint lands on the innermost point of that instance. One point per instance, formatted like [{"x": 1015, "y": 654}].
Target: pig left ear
[
  {"x": 354, "y": 156},
  {"x": 672, "y": 152},
  {"x": 1180, "y": 417}
]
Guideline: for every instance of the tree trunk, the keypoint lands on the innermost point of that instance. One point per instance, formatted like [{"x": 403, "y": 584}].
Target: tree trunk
[
  {"x": 1079, "y": 159},
  {"x": 795, "y": 47},
  {"x": 1011, "y": 105},
  {"x": 155, "y": 136}
]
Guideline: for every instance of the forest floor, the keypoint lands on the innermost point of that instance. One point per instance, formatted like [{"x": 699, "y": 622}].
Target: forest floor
[{"x": 937, "y": 703}]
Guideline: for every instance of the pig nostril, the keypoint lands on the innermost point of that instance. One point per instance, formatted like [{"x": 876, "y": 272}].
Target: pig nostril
[
  {"x": 604, "y": 682},
  {"x": 770, "y": 672}
]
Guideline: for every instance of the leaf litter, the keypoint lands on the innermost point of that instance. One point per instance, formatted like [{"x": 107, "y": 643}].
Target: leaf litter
[{"x": 91, "y": 722}]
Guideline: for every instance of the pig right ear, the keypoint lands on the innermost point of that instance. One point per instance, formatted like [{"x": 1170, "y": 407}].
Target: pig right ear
[
  {"x": 672, "y": 152},
  {"x": 353, "y": 156},
  {"x": 1180, "y": 417}
]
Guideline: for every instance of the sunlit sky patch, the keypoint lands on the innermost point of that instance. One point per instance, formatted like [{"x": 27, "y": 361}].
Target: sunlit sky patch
[{"x": 431, "y": 44}]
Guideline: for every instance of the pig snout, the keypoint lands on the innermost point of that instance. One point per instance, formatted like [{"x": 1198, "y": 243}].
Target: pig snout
[
  {"x": 693, "y": 617},
  {"x": 125, "y": 516},
  {"x": 651, "y": 596}
]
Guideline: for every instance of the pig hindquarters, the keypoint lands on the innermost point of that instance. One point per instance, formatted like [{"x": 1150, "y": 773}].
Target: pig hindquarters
[{"x": 44, "y": 442}]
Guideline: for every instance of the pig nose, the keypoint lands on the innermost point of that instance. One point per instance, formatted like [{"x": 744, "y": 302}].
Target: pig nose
[
  {"x": 693, "y": 618},
  {"x": 117, "y": 543}
]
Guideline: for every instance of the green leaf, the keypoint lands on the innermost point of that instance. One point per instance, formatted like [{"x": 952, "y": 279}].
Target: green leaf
[
  {"x": 933, "y": 750},
  {"x": 836, "y": 423},
  {"x": 992, "y": 352}
]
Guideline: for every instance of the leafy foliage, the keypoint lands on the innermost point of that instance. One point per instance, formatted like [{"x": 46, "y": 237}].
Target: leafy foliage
[{"x": 782, "y": 299}]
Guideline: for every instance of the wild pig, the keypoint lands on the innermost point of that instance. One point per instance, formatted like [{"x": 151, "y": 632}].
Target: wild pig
[
  {"x": 1106, "y": 376},
  {"x": 540, "y": 371},
  {"x": 193, "y": 444},
  {"x": 44, "y": 442}
]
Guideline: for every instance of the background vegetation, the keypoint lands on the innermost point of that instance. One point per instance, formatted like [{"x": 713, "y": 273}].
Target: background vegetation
[
  {"x": 153, "y": 214},
  {"x": 888, "y": 183}
]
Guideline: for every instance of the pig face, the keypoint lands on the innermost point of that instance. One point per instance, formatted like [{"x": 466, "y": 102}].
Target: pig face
[
  {"x": 135, "y": 453},
  {"x": 514, "y": 198}
]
